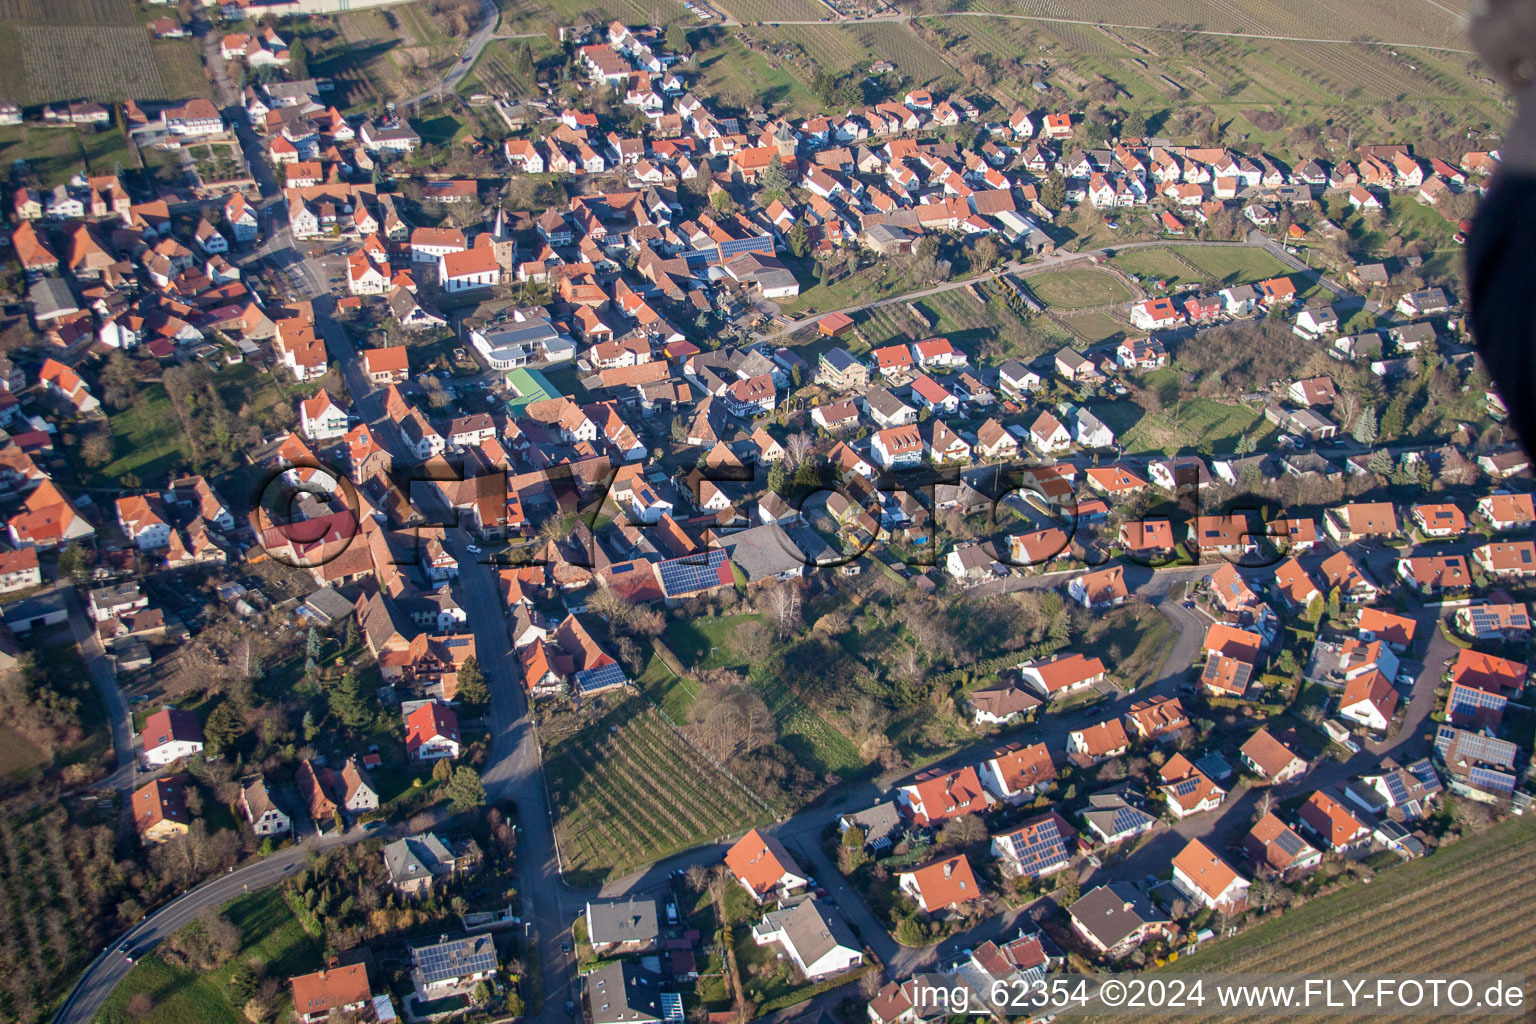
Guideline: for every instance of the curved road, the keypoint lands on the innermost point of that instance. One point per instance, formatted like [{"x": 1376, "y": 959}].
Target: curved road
[
  {"x": 109, "y": 968},
  {"x": 466, "y": 63}
]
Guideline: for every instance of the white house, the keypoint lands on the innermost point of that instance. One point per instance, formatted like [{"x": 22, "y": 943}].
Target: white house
[
  {"x": 814, "y": 936},
  {"x": 169, "y": 735},
  {"x": 322, "y": 418},
  {"x": 468, "y": 269}
]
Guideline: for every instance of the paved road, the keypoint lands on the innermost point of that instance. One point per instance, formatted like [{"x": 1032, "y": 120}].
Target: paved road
[
  {"x": 109, "y": 968},
  {"x": 471, "y": 54},
  {"x": 105, "y": 678}
]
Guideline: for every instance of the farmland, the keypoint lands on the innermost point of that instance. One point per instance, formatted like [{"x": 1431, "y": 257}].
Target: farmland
[
  {"x": 1082, "y": 288},
  {"x": 741, "y": 77},
  {"x": 1479, "y": 879},
  {"x": 748, "y": 11},
  {"x": 840, "y": 48},
  {"x": 1159, "y": 69},
  {"x": 519, "y": 16},
  {"x": 497, "y": 71},
  {"x": 626, "y": 790},
  {"x": 57, "y": 153},
  {"x": 709, "y": 643}
]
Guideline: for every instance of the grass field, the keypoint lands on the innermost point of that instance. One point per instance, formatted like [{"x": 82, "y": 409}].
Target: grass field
[
  {"x": 628, "y": 790},
  {"x": 269, "y": 934},
  {"x": 1078, "y": 289},
  {"x": 1480, "y": 880},
  {"x": 20, "y": 758},
  {"x": 1195, "y": 425},
  {"x": 1235, "y": 264},
  {"x": 1097, "y": 328},
  {"x": 710, "y": 643},
  {"x": 740, "y": 77},
  {"x": 1155, "y": 264},
  {"x": 58, "y": 153}
]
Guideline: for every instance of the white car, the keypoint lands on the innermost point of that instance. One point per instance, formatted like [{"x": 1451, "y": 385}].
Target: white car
[{"x": 472, "y": 549}]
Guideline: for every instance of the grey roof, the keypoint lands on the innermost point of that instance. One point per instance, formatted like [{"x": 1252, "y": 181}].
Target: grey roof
[
  {"x": 624, "y": 993},
  {"x": 1111, "y": 913},
  {"x": 330, "y": 604},
  {"x": 1110, "y": 814},
  {"x": 763, "y": 552},
  {"x": 448, "y": 959},
  {"x": 51, "y": 296},
  {"x": 631, "y": 920},
  {"x": 839, "y": 359},
  {"x": 882, "y": 401},
  {"x": 418, "y": 856},
  {"x": 813, "y": 930},
  {"x": 881, "y": 821}
]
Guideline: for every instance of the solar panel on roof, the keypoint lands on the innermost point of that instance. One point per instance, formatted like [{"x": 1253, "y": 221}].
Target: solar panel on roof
[
  {"x": 593, "y": 679},
  {"x": 690, "y": 573},
  {"x": 1290, "y": 842},
  {"x": 1488, "y": 779},
  {"x": 1396, "y": 791},
  {"x": 1128, "y": 818},
  {"x": 1184, "y": 787}
]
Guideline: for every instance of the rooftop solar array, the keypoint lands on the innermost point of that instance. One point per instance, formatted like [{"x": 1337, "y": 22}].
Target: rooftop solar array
[
  {"x": 691, "y": 573},
  {"x": 1487, "y": 778},
  {"x": 1397, "y": 792},
  {"x": 1290, "y": 842},
  {"x": 456, "y": 958},
  {"x": 1128, "y": 818},
  {"x": 592, "y": 680},
  {"x": 1184, "y": 787},
  {"x": 1426, "y": 774},
  {"x": 1039, "y": 847}
]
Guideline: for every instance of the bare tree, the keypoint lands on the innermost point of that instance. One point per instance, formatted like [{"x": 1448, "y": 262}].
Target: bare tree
[
  {"x": 781, "y": 603},
  {"x": 797, "y": 448}
]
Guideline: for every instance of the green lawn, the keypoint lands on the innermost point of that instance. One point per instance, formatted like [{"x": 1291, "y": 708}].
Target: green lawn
[
  {"x": 742, "y": 78},
  {"x": 57, "y": 153},
  {"x": 147, "y": 436},
  {"x": 20, "y": 758},
  {"x": 1234, "y": 264},
  {"x": 1192, "y": 425},
  {"x": 1078, "y": 289},
  {"x": 1154, "y": 264},
  {"x": 270, "y": 935},
  {"x": 708, "y": 642},
  {"x": 1098, "y": 327}
]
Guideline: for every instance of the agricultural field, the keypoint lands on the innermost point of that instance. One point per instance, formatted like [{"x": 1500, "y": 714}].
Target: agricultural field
[
  {"x": 1160, "y": 70},
  {"x": 626, "y": 790},
  {"x": 1082, "y": 288},
  {"x": 66, "y": 62},
  {"x": 519, "y": 16},
  {"x": 837, "y": 49},
  {"x": 1481, "y": 878},
  {"x": 1097, "y": 328},
  {"x": 496, "y": 71},
  {"x": 750, "y": 11}
]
